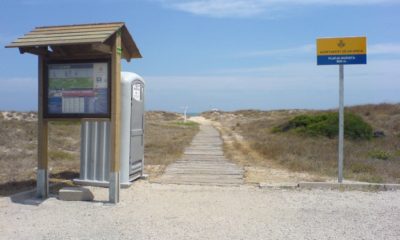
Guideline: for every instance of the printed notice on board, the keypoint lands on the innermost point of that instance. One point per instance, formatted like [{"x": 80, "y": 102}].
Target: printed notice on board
[{"x": 78, "y": 88}]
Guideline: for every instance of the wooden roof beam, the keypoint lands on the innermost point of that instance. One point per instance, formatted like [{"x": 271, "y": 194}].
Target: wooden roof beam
[
  {"x": 60, "y": 51},
  {"x": 42, "y": 51},
  {"x": 101, "y": 47},
  {"x": 125, "y": 53}
]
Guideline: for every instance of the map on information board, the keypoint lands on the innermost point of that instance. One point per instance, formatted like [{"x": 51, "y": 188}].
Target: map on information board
[{"x": 77, "y": 88}]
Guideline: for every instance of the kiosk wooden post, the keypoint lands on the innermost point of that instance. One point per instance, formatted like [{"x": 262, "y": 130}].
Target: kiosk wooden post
[
  {"x": 89, "y": 43},
  {"x": 115, "y": 119},
  {"x": 42, "y": 178}
]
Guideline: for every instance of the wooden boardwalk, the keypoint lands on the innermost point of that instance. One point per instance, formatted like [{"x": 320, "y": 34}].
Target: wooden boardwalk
[{"x": 203, "y": 163}]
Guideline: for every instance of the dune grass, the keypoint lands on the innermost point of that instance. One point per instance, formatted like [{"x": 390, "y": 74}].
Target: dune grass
[
  {"x": 366, "y": 159},
  {"x": 165, "y": 138}
]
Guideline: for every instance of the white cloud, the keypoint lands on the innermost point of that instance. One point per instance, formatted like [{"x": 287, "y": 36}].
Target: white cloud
[
  {"x": 292, "y": 85},
  {"x": 384, "y": 48},
  {"x": 308, "y": 48},
  {"x": 374, "y": 68},
  {"x": 384, "y": 73},
  {"x": 45, "y": 2},
  {"x": 220, "y": 8},
  {"x": 373, "y": 49},
  {"x": 248, "y": 8},
  {"x": 15, "y": 83}
]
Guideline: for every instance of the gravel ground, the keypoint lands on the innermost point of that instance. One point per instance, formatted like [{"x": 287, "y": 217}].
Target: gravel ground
[{"x": 153, "y": 211}]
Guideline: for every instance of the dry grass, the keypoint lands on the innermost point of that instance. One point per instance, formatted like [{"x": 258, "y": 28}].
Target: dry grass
[
  {"x": 165, "y": 140},
  {"x": 364, "y": 160}
]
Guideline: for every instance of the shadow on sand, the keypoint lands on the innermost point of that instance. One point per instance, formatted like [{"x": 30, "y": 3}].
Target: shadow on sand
[{"x": 24, "y": 192}]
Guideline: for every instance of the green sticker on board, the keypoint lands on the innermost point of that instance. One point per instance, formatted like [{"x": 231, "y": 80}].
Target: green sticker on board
[{"x": 119, "y": 50}]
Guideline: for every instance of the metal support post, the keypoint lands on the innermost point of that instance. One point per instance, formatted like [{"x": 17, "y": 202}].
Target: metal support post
[{"x": 341, "y": 123}]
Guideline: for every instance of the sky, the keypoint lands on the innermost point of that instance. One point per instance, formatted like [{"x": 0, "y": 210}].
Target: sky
[{"x": 225, "y": 54}]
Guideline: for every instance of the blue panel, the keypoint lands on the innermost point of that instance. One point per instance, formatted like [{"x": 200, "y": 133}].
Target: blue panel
[
  {"x": 55, "y": 105},
  {"x": 101, "y": 101},
  {"x": 342, "y": 59}
]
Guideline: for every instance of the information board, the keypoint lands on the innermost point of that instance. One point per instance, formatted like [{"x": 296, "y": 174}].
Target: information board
[
  {"x": 77, "y": 90},
  {"x": 346, "y": 50}
]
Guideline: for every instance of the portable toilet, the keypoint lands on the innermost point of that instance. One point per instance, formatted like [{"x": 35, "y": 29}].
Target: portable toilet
[{"x": 95, "y": 139}]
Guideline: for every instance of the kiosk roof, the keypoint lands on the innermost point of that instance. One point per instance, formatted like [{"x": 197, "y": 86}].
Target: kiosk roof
[{"x": 82, "y": 34}]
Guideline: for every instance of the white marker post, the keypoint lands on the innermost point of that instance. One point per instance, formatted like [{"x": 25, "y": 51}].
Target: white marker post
[
  {"x": 341, "y": 51},
  {"x": 184, "y": 114}
]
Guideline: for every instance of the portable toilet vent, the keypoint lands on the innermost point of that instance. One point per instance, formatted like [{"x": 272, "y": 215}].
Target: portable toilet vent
[{"x": 95, "y": 139}]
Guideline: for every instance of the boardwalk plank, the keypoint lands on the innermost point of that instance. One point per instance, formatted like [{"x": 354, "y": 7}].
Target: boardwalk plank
[{"x": 203, "y": 163}]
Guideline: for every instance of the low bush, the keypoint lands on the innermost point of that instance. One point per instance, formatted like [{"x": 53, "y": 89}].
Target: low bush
[
  {"x": 326, "y": 124},
  {"x": 379, "y": 154}
]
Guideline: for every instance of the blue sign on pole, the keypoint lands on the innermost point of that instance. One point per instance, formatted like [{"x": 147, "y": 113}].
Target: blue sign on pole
[{"x": 342, "y": 59}]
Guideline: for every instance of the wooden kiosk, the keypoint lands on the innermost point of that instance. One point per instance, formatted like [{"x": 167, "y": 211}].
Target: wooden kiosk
[{"x": 79, "y": 73}]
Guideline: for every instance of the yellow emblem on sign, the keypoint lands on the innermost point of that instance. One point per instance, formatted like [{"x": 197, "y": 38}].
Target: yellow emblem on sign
[{"x": 341, "y": 46}]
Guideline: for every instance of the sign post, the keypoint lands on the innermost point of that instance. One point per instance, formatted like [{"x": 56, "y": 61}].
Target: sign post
[
  {"x": 341, "y": 123},
  {"x": 341, "y": 51}
]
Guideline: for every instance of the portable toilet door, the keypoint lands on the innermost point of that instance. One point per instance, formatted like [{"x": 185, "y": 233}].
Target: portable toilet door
[{"x": 136, "y": 145}]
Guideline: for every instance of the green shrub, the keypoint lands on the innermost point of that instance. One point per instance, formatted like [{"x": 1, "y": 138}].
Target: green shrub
[
  {"x": 277, "y": 129},
  {"x": 326, "y": 124},
  {"x": 379, "y": 154},
  {"x": 356, "y": 128},
  {"x": 60, "y": 155}
]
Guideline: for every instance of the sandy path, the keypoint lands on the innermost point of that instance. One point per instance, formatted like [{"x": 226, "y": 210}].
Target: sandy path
[{"x": 154, "y": 211}]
